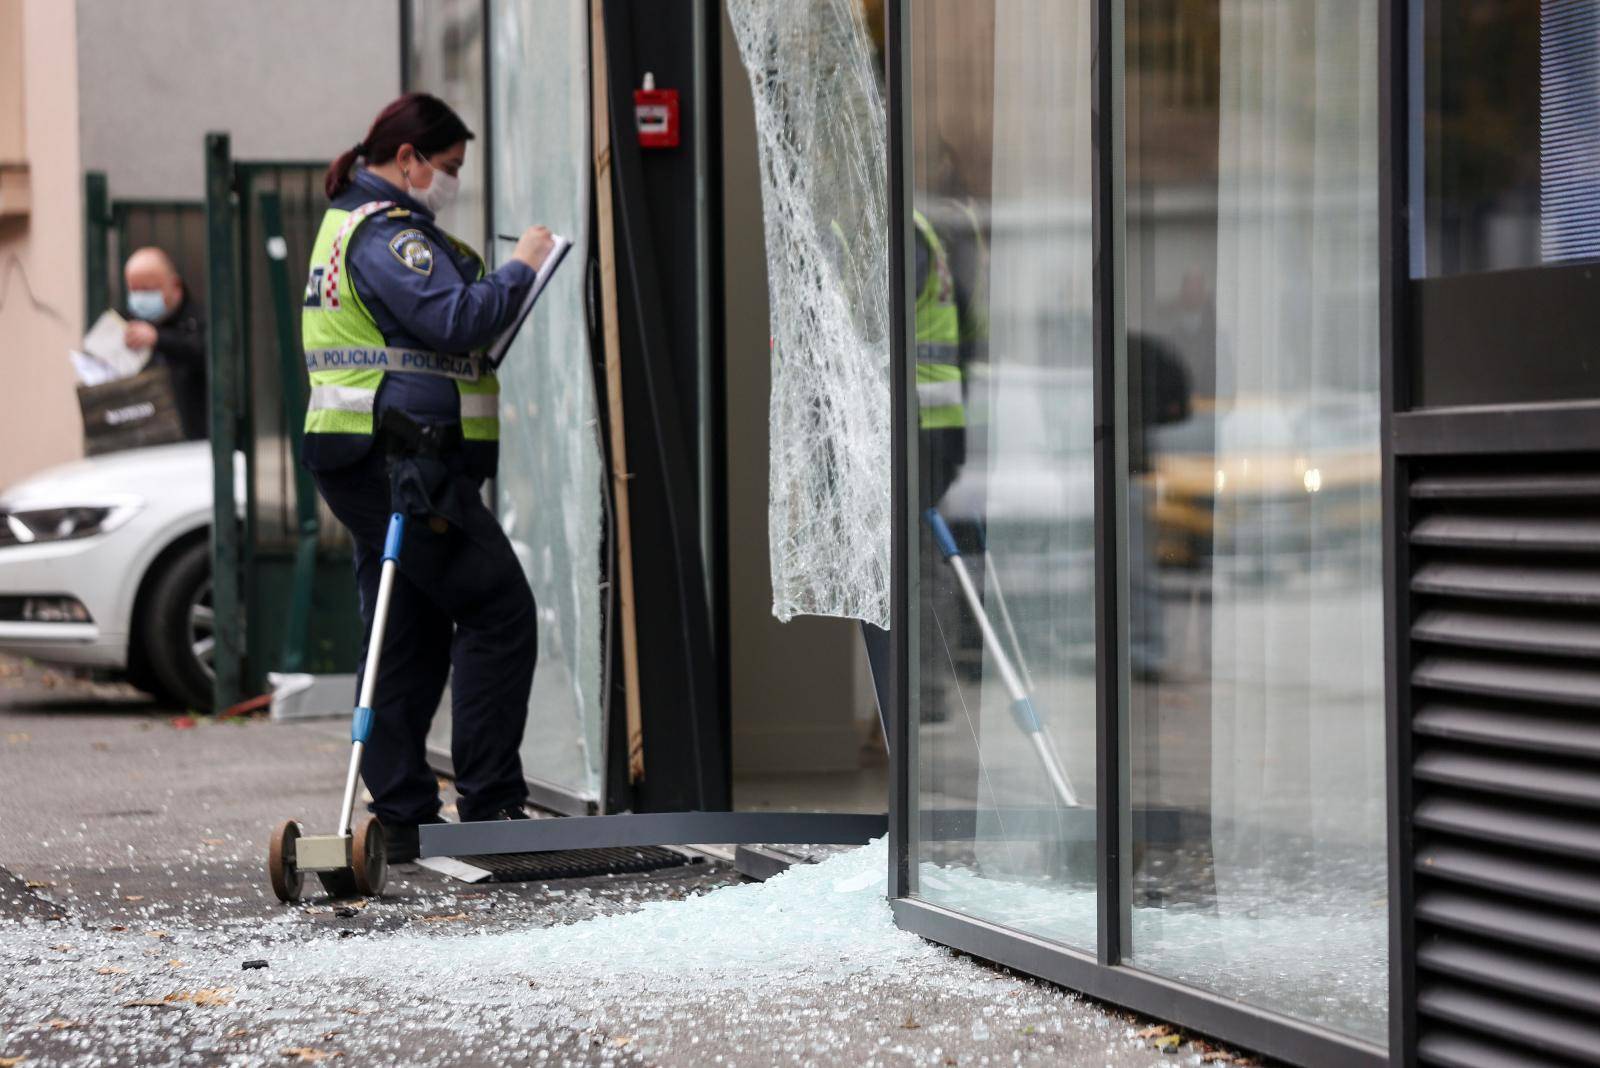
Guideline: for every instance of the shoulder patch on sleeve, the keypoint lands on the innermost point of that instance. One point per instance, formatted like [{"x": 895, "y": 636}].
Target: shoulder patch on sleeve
[{"x": 411, "y": 248}]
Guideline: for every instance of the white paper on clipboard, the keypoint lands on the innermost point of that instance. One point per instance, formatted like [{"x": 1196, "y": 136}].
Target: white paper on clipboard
[{"x": 497, "y": 351}]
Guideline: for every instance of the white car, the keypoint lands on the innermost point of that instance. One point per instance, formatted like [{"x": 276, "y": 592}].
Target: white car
[{"x": 105, "y": 563}]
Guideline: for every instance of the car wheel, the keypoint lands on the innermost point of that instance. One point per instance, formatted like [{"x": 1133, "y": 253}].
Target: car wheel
[{"x": 179, "y": 628}]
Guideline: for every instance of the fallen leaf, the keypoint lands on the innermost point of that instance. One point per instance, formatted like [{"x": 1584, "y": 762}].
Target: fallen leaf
[
  {"x": 1218, "y": 1056},
  {"x": 214, "y": 841},
  {"x": 1168, "y": 1043},
  {"x": 133, "y": 897},
  {"x": 175, "y": 963},
  {"x": 116, "y": 927},
  {"x": 327, "y": 1036},
  {"x": 155, "y": 1003},
  {"x": 36, "y": 884},
  {"x": 308, "y": 1053},
  {"x": 1154, "y": 1031},
  {"x": 10, "y": 1062},
  {"x": 58, "y": 1024},
  {"x": 197, "y": 997},
  {"x": 63, "y": 948},
  {"x": 184, "y": 723},
  {"x": 17, "y": 737},
  {"x": 157, "y": 934},
  {"x": 910, "y": 1024},
  {"x": 112, "y": 969},
  {"x": 237, "y": 1032},
  {"x": 452, "y": 918},
  {"x": 621, "y": 1040}
]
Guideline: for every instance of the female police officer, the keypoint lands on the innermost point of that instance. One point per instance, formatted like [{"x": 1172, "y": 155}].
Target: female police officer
[{"x": 403, "y": 416}]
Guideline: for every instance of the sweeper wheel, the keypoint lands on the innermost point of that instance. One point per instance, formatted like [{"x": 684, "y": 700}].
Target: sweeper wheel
[
  {"x": 369, "y": 860},
  {"x": 287, "y": 880}
]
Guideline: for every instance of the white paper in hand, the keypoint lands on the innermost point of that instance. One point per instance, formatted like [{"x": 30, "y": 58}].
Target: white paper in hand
[
  {"x": 558, "y": 252},
  {"x": 104, "y": 342}
]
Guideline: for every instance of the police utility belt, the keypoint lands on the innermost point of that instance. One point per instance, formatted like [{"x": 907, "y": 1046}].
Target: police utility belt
[{"x": 466, "y": 368}]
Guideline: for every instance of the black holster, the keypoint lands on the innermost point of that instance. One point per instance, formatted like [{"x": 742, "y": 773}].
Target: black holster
[{"x": 416, "y": 457}]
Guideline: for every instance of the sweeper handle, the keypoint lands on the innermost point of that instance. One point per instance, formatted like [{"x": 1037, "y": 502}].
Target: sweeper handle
[
  {"x": 1022, "y": 709},
  {"x": 361, "y": 719}
]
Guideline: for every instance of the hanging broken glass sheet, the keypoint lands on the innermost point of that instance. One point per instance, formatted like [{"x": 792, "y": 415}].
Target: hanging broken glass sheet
[{"x": 821, "y": 136}]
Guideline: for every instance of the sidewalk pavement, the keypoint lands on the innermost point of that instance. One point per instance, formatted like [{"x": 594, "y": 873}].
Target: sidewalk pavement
[{"x": 133, "y": 889}]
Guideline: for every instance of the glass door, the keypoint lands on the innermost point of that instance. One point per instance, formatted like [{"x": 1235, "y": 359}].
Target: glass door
[
  {"x": 1146, "y": 713},
  {"x": 1254, "y": 687},
  {"x": 551, "y": 484},
  {"x": 550, "y": 489},
  {"x": 1002, "y": 272}
]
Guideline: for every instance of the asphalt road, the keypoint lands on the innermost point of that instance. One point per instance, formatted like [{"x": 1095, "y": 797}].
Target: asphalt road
[{"x": 132, "y": 891}]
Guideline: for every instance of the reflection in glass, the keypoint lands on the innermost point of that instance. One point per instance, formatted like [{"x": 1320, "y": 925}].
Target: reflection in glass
[
  {"x": 551, "y": 469},
  {"x": 1507, "y": 117},
  {"x": 446, "y": 59},
  {"x": 1004, "y": 366},
  {"x": 1255, "y": 613}
]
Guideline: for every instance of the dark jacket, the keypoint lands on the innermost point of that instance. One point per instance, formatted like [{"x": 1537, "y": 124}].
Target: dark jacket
[
  {"x": 443, "y": 308},
  {"x": 181, "y": 346}
]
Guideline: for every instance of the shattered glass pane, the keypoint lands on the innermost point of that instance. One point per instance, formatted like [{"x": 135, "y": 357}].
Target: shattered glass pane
[
  {"x": 821, "y": 135},
  {"x": 551, "y": 480}
]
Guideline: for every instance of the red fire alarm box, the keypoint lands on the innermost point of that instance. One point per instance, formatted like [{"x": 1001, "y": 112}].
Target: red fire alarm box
[{"x": 655, "y": 112}]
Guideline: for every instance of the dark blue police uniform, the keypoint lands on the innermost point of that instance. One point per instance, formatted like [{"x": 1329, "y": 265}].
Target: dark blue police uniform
[{"x": 460, "y": 598}]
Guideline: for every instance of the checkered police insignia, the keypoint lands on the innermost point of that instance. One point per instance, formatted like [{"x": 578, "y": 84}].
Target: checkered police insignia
[
  {"x": 411, "y": 248},
  {"x": 329, "y": 279}
]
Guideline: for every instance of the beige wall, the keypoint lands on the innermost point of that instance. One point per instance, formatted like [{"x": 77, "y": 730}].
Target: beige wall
[
  {"x": 41, "y": 280},
  {"x": 290, "y": 79}
]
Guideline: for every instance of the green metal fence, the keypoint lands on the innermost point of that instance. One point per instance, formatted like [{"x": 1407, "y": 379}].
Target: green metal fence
[
  {"x": 295, "y": 605},
  {"x": 115, "y": 226}
]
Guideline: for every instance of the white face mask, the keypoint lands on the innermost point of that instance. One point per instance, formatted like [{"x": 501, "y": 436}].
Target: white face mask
[{"x": 441, "y": 192}]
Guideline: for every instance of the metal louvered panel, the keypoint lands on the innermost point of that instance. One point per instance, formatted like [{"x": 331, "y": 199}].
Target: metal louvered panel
[
  {"x": 1509, "y": 629},
  {"x": 1545, "y": 533},
  {"x": 1559, "y": 731},
  {"x": 1533, "y": 583},
  {"x": 1505, "y": 760},
  {"x": 1525, "y": 1023},
  {"x": 1531, "y": 975},
  {"x": 1531, "y": 826},
  {"x": 1512, "y": 873}
]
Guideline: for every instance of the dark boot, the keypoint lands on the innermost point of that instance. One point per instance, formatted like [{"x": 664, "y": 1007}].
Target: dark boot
[{"x": 400, "y": 840}]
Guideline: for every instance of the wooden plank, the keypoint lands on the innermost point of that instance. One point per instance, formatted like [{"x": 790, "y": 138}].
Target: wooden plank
[{"x": 601, "y": 112}]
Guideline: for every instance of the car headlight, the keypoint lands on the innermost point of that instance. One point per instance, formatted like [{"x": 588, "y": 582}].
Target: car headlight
[{"x": 29, "y": 526}]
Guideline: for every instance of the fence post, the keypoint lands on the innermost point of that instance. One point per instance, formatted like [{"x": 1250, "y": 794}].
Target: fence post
[
  {"x": 223, "y": 351},
  {"x": 96, "y": 268},
  {"x": 294, "y": 409}
]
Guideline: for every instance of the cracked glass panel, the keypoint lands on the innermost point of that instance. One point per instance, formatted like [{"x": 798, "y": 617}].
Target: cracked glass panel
[
  {"x": 814, "y": 74},
  {"x": 549, "y": 493}
]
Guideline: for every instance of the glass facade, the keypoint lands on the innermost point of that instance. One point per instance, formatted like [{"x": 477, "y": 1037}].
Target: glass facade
[
  {"x": 550, "y": 490},
  {"x": 1253, "y": 482},
  {"x": 1004, "y": 352},
  {"x": 1245, "y": 607},
  {"x": 444, "y": 57}
]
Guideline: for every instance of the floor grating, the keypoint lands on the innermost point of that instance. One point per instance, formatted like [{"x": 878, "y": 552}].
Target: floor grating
[{"x": 575, "y": 863}]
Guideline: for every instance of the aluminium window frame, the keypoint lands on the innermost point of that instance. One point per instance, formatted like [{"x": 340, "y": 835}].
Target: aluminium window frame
[{"x": 1105, "y": 973}]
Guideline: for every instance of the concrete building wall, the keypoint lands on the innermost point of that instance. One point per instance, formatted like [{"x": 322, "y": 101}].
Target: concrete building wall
[
  {"x": 41, "y": 271},
  {"x": 802, "y": 700},
  {"x": 291, "y": 79}
]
